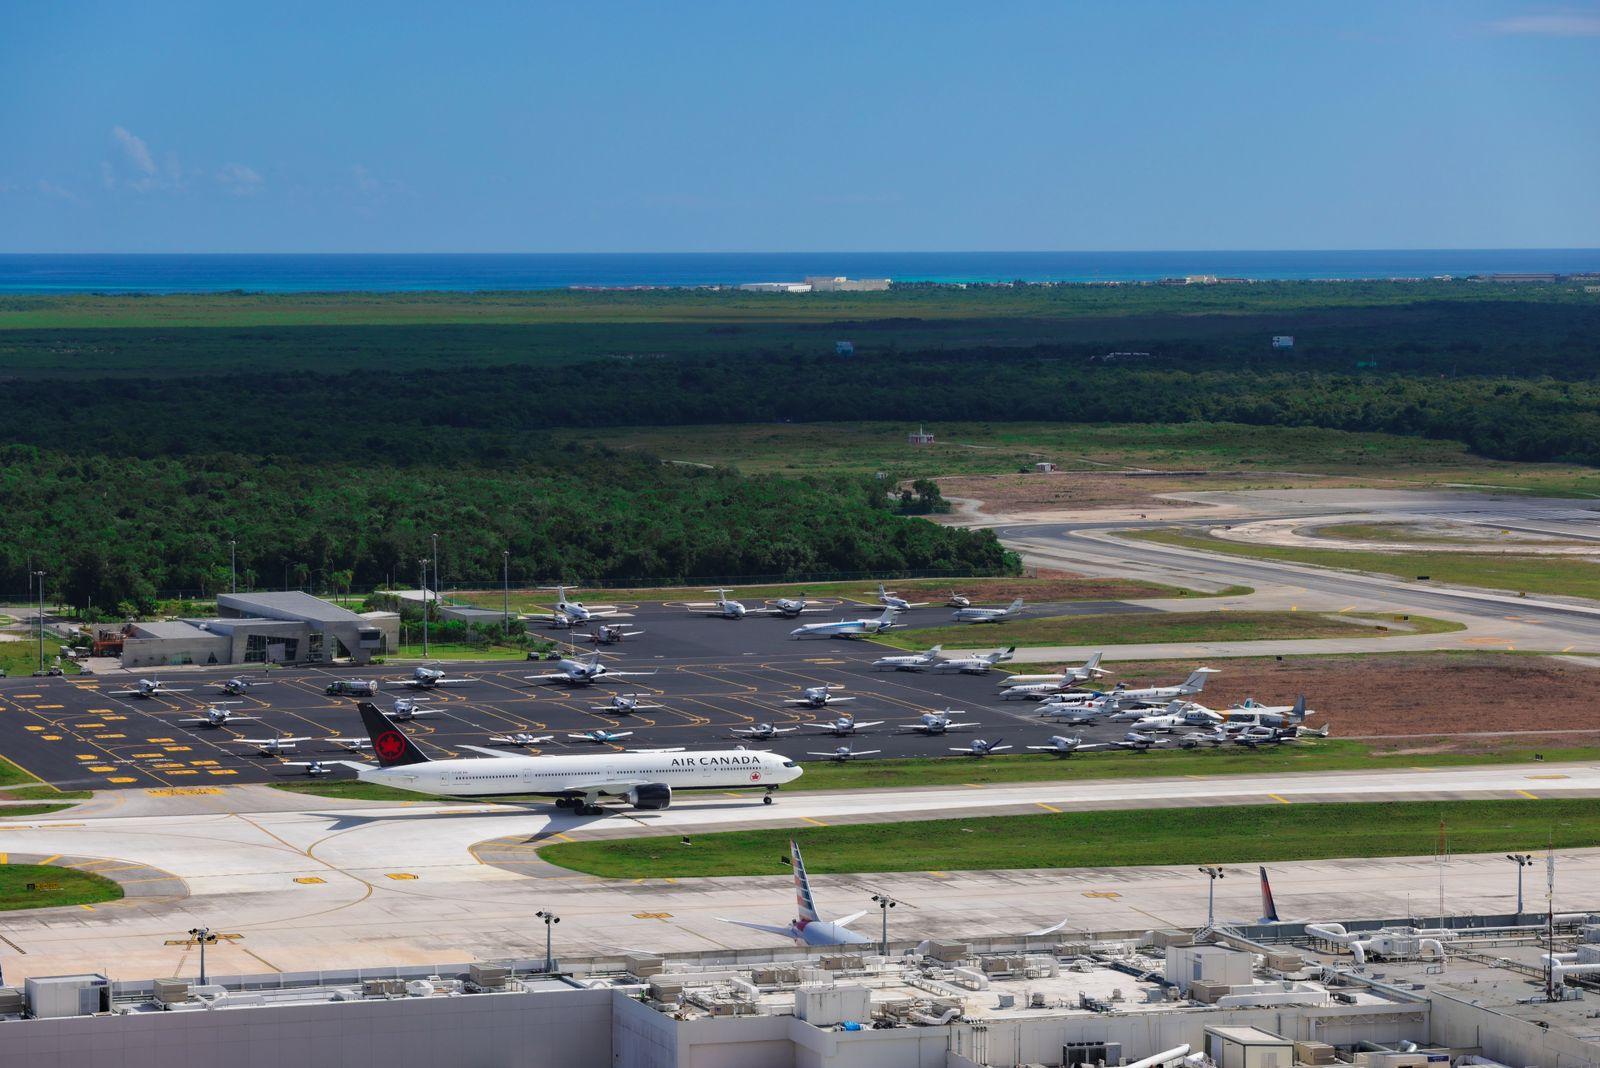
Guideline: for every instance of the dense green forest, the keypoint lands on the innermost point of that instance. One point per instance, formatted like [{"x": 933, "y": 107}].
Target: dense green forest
[{"x": 332, "y": 452}]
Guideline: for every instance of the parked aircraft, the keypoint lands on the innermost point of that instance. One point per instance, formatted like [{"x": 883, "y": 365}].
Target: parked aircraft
[
  {"x": 579, "y": 782},
  {"x": 1269, "y": 716},
  {"x": 845, "y": 752},
  {"x": 1060, "y": 745},
  {"x": 273, "y": 746},
  {"x": 601, "y": 737},
  {"x": 215, "y": 716},
  {"x": 239, "y": 684},
  {"x": 808, "y": 928},
  {"x": 406, "y": 708},
  {"x": 761, "y": 730},
  {"x": 845, "y": 725},
  {"x": 147, "y": 688},
  {"x": 988, "y": 615},
  {"x": 937, "y": 723},
  {"x": 724, "y": 608},
  {"x": 606, "y": 634},
  {"x": 1177, "y": 716},
  {"x": 982, "y": 747},
  {"x": 818, "y": 697},
  {"x": 583, "y": 672},
  {"x": 575, "y": 612},
  {"x": 352, "y": 745},
  {"x": 1079, "y": 712},
  {"x": 790, "y": 607},
  {"x": 1156, "y": 694},
  {"x": 521, "y": 738},
  {"x": 623, "y": 704},
  {"x": 899, "y": 604},
  {"x": 1089, "y": 669},
  {"x": 957, "y": 600},
  {"x": 1132, "y": 740},
  {"x": 426, "y": 678},
  {"x": 912, "y": 662},
  {"x": 847, "y": 628},
  {"x": 313, "y": 767},
  {"x": 975, "y": 665}
]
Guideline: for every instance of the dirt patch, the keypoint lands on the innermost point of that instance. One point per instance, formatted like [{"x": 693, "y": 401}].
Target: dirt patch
[
  {"x": 1045, "y": 492},
  {"x": 1045, "y": 585},
  {"x": 1476, "y": 700}
]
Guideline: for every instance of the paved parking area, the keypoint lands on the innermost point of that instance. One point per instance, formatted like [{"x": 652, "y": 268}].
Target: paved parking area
[{"x": 711, "y": 675}]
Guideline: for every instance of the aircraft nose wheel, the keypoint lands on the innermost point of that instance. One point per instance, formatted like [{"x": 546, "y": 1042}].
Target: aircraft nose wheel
[{"x": 766, "y": 799}]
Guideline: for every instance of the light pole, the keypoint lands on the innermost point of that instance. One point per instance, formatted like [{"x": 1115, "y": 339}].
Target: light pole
[
  {"x": 505, "y": 578},
  {"x": 40, "y": 576},
  {"x": 885, "y": 903},
  {"x": 1211, "y": 893},
  {"x": 436, "y": 561},
  {"x": 1521, "y": 860},
  {"x": 203, "y": 936},
  {"x": 422, "y": 566},
  {"x": 550, "y": 920},
  {"x": 233, "y": 566}
]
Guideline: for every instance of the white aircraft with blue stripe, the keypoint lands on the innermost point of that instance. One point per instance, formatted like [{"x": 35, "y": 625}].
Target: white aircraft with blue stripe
[{"x": 808, "y": 928}]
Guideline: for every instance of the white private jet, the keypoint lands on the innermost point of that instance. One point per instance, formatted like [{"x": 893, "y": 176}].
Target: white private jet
[
  {"x": 1072, "y": 714},
  {"x": 931, "y": 723},
  {"x": 600, "y": 737},
  {"x": 845, "y": 752},
  {"x": 912, "y": 662},
  {"x": 1089, "y": 669},
  {"x": 980, "y": 747},
  {"x": 818, "y": 697},
  {"x": 216, "y": 716},
  {"x": 240, "y": 684},
  {"x": 406, "y": 708},
  {"x": 722, "y": 608},
  {"x": 577, "y": 781},
  {"x": 899, "y": 604},
  {"x": 274, "y": 746},
  {"x": 988, "y": 615},
  {"x": 844, "y": 726},
  {"x": 1156, "y": 694},
  {"x": 426, "y": 678},
  {"x": 623, "y": 704},
  {"x": 790, "y": 607},
  {"x": 957, "y": 600},
  {"x": 147, "y": 688},
  {"x": 808, "y": 928},
  {"x": 583, "y": 672},
  {"x": 522, "y": 738},
  {"x": 975, "y": 665},
  {"x": 574, "y": 611},
  {"x": 761, "y": 730},
  {"x": 848, "y": 628},
  {"x": 1132, "y": 740},
  {"x": 1060, "y": 745},
  {"x": 607, "y": 634},
  {"x": 1178, "y": 716}
]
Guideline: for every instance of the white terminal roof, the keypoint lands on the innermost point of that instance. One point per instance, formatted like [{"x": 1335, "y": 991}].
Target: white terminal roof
[{"x": 287, "y": 604}]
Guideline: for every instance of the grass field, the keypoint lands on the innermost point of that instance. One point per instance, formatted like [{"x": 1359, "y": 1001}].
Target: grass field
[
  {"x": 412, "y": 650},
  {"x": 22, "y": 657},
  {"x": 1221, "y": 835},
  {"x": 11, "y": 812},
  {"x": 1148, "y": 627},
  {"x": 1330, "y": 755},
  {"x": 67, "y": 886},
  {"x": 1525, "y": 574}
]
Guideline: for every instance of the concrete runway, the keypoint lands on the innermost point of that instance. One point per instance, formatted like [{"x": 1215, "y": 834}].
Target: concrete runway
[{"x": 334, "y": 882}]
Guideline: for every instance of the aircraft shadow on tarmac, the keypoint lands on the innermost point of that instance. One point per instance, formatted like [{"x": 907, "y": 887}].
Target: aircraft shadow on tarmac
[{"x": 559, "y": 821}]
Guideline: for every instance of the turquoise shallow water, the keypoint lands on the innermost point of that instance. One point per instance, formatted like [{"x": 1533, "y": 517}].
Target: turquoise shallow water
[{"x": 48, "y": 273}]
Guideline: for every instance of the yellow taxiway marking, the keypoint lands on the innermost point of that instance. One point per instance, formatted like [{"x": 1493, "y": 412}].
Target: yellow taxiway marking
[
  {"x": 1109, "y": 895},
  {"x": 121, "y": 778},
  {"x": 1047, "y": 808},
  {"x": 50, "y": 860},
  {"x": 817, "y": 823},
  {"x": 89, "y": 907},
  {"x": 1530, "y": 797},
  {"x": 652, "y": 915},
  {"x": 565, "y": 837},
  {"x": 940, "y": 874},
  {"x": 974, "y": 785},
  {"x": 183, "y": 791},
  {"x": 5, "y": 858},
  {"x": 1279, "y": 800},
  {"x": 1568, "y": 649},
  {"x": 310, "y": 880},
  {"x": 399, "y": 876},
  {"x": 1549, "y": 776}
]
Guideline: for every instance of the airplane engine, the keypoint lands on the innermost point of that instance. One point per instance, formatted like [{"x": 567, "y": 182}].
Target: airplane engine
[{"x": 652, "y": 795}]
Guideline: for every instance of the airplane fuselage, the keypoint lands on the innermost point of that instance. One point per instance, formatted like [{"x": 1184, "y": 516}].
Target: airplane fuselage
[{"x": 562, "y": 775}]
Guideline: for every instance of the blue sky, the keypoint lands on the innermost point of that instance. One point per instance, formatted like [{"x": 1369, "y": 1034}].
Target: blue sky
[{"x": 526, "y": 127}]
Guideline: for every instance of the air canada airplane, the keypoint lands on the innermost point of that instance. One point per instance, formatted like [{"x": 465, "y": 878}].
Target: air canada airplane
[
  {"x": 808, "y": 928},
  {"x": 848, "y": 628},
  {"x": 579, "y": 782}
]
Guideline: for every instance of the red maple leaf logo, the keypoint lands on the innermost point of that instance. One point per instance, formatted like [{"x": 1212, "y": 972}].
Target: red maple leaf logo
[
  {"x": 755, "y": 776},
  {"x": 390, "y": 745}
]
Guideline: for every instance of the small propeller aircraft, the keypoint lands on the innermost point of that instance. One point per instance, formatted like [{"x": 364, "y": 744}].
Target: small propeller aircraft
[
  {"x": 845, "y": 752},
  {"x": 845, "y": 725},
  {"x": 426, "y": 678},
  {"x": 957, "y": 600},
  {"x": 406, "y": 708},
  {"x": 215, "y": 716},
  {"x": 980, "y": 747},
  {"x": 608, "y": 634},
  {"x": 241, "y": 684},
  {"x": 623, "y": 704},
  {"x": 522, "y": 738},
  {"x": 351, "y": 745},
  {"x": 274, "y": 746},
  {"x": 790, "y": 607},
  {"x": 817, "y": 697},
  {"x": 761, "y": 730},
  {"x": 937, "y": 723},
  {"x": 601, "y": 737},
  {"x": 312, "y": 767},
  {"x": 1060, "y": 745},
  {"x": 583, "y": 672}
]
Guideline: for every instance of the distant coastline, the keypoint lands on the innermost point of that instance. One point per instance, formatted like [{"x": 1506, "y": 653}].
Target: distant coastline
[{"x": 43, "y": 273}]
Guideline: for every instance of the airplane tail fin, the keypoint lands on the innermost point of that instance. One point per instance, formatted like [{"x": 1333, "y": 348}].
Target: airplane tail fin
[
  {"x": 1093, "y": 662},
  {"x": 389, "y": 743},
  {"x": 1298, "y": 712},
  {"x": 1001, "y": 656},
  {"x": 1196, "y": 680},
  {"x": 935, "y": 651},
  {"x": 1016, "y": 605},
  {"x": 805, "y": 905},
  {"x": 1269, "y": 910}
]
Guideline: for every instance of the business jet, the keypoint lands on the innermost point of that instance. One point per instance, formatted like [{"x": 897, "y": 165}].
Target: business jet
[
  {"x": 722, "y": 608},
  {"x": 1076, "y": 714},
  {"x": 844, "y": 726},
  {"x": 790, "y": 607},
  {"x": 426, "y": 678},
  {"x": 1156, "y": 694},
  {"x": 761, "y": 730},
  {"x": 624, "y": 704},
  {"x": 273, "y": 746},
  {"x": 215, "y": 716},
  {"x": 988, "y": 615},
  {"x": 957, "y": 600},
  {"x": 147, "y": 688},
  {"x": 932, "y": 723},
  {"x": 406, "y": 709},
  {"x": 1132, "y": 740},
  {"x": 980, "y": 747},
  {"x": 313, "y": 767},
  {"x": 574, "y": 612},
  {"x": 899, "y": 604},
  {"x": 1177, "y": 717},
  {"x": 578, "y": 781},
  {"x": 845, "y": 752},
  {"x": 808, "y": 928},
  {"x": 521, "y": 738},
  {"x": 601, "y": 737},
  {"x": 914, "y": 662},
  {"x": 818, "y": 697},
  {"x": 1060, "y": 745},
  {"x": 848, "y": 628},
  {"x": 975, "y": 665},
  {"x": 1084, "y": 672},
  {"x": 609, "y": 635},
  {"x": 1269, "y": 715},
  {"x": 240, "y": 684},
  {"x": 583, "y": 672}
]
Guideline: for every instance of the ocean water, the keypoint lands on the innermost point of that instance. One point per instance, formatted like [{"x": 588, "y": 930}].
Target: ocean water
[{"x": 391, "y": 273}]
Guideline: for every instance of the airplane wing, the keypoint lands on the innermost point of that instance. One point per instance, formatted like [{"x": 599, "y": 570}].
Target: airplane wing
[
  {"x": 866, "y": 752},
  {"x": 621, "y": 734},
  {"x": 870, "y": 722},
  {"x": 767, "y": 927},
  {"x": 822, "y": 754},
  {"x": 489, "y": 752},
  {"x": 412, "y": 684},
  {"x": 1000, "y": 748},
  {"x": 839, "y": 700},
  {"x": 844, "y": 921},
  {"x": 1048, "y": 748},
  {"x": 1052, "y": 929},
  {"x": 554, "y": 676},
  {"x": 609, "y": 674},
  {"x": 786, "y": 730}
]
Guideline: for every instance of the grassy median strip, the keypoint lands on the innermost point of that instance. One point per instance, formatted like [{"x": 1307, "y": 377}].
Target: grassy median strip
[
  {"x": 1223, "y": 835},
  {"x": 1564, "y": 575},
  {"x": 52, "y": 887}
]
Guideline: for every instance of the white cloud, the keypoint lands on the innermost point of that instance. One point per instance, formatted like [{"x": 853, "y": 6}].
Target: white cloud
[
  {"x": 240, "y": 180},
  {"x": 134, "y": 148},
  {"x": 1555, "y": 24}
]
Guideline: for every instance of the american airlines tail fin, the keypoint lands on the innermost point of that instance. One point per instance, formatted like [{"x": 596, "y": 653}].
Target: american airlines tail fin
[
  {"x": 389, "y": 743},
  {"x": 805, "y": 906},
  {"x": 1269, "y": 910}
]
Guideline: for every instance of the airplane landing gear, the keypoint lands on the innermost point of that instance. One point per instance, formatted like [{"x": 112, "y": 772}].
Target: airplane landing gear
[
  {"x": 766, "y": 798},
  {"x": 589, "y": 810}
]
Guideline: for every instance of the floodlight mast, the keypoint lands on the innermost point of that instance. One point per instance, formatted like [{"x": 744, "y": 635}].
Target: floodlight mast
[{"x": 1214, "y": 873}]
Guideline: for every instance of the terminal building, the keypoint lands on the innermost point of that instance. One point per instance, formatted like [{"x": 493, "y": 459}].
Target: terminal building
[{"x": 288, "y": 627}]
